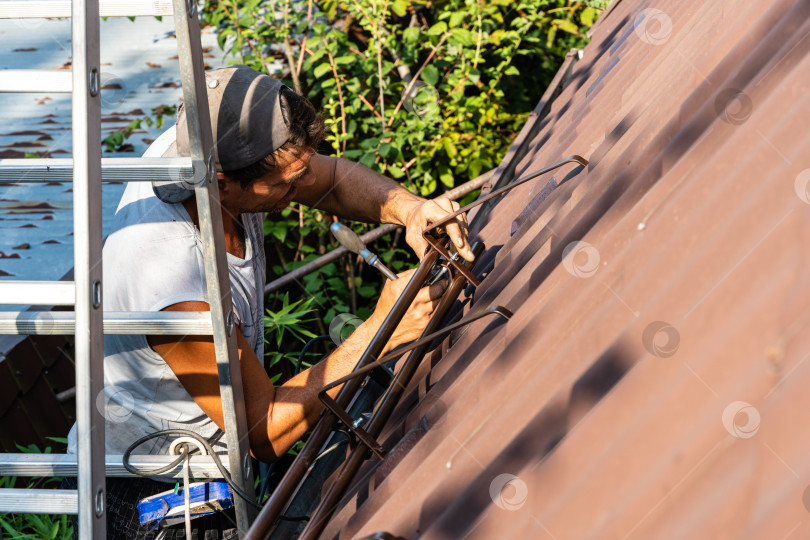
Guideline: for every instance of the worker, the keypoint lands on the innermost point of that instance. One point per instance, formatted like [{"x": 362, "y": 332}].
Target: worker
[{"x": 265, "y": 137}]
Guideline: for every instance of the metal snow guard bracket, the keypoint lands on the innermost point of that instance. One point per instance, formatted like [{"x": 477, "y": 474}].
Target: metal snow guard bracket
[
  {"x": 344, "y": 416},
  {"x": 436, "y": 236}
]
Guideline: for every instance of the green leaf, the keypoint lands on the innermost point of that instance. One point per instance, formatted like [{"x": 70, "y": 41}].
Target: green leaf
[
  {"x": 566, "y": 26},
  {"x": 400, "y": 7},
  {"x": 343, "y": 60},
  {"x": 462, "y": 37},
  {"x": 321, "y": 69},
  {"x": 588, "y": 16},
  {"x": 395, "y": 172},
  {"x": 430, "y": 75},
  {"x": 369, "y": 159},
  {"x": 511, "y": 70},
  {"x": 437, "y": 29},
  {"x": 446, "y": 176},
  {"x": 411, "y": 34},
  {"x": 552, "y": 33},
  {"x": 475, "y": 168},
  {"x": 457, "y": 18}
]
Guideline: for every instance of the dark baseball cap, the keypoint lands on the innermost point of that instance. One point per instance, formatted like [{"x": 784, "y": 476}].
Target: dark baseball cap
[{"x": 246, "y": 122}]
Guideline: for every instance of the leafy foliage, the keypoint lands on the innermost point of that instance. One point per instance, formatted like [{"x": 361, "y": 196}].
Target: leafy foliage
[
  {"x": 287, "y": 325},
  {"x": 34, "y": 526},
  {"x": 428, "y": 92},
  {"x": 116, "y": 141}
]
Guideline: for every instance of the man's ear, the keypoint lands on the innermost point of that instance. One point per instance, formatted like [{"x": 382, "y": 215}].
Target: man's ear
[{"x": 222, "y": 182}]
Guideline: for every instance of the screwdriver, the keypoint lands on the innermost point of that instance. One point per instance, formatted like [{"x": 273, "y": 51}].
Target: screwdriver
[{"x": 352, "y": 242}]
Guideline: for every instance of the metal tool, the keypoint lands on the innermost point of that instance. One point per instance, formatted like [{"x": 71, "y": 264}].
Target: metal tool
[{"x": 352, "y": 242}]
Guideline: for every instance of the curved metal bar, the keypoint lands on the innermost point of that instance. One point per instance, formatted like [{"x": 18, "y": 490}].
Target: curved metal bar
[
  {"x": 341, "y": 413},
  {"x": 441, "y": 246},
  {"x": 388, "y": 403}
]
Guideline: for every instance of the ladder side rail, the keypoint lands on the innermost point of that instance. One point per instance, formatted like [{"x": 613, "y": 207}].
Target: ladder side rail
[
  {"x": 89, "y": 343},
  {"x": 216, "y": 269}
]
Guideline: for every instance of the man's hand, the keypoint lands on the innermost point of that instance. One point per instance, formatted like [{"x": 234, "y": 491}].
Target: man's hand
[
  {"x": 417, "y": 316},
  {"x": 353, "y": 191},
  {"x": 430, "y": 211}
]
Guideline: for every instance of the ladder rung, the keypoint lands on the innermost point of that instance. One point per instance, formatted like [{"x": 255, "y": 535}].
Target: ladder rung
[
  {"x": 107, "y": 8},
  {"x": 33, "y": 465},
  {"x": 63, "y": 323},
  {"x": 112, "y": 170},
  {"x": 39, "y": 501},
  {"x": 38, "y": 293},
  {"x": 36, "y": 80}
]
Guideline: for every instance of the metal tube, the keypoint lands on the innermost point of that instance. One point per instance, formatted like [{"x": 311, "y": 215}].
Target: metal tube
[
  {"x": 280, "y": 497},
  {"x": 40, "y": 501},
  {"x": 40, "y": 293},
  {"x": 117, "y": 323},
  {"x": 36, "y": 80},
  {"x": 40, "y": 170},
  {"x": 387, "y": 272},
  {"x": 31, "y": 465},
  {"x": 386, "y": 406}
]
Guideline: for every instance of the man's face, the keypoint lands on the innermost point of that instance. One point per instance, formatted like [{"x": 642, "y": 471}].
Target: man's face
[{"x": 273, "y": 191}]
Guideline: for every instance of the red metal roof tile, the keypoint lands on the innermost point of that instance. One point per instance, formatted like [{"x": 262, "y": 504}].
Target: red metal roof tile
[{"x": 649, "y": 384}]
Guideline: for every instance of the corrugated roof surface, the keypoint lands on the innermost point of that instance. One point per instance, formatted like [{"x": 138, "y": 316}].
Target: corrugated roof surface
[{"x": 651, "y": 381}]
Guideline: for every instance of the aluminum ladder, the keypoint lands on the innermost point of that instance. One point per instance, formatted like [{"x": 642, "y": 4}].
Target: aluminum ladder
[{"x": 88, "y": 170}]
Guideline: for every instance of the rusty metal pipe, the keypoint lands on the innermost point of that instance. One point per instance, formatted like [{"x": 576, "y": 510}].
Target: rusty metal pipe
[
  {"x": 264, "y": 523},
  {"x": 386, "y": 406}
]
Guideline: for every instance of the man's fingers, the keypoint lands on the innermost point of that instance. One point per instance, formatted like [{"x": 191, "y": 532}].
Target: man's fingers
[
  {"x": 457, "y": 229},
  {"x": 458, "y": 235},
  {"x": 436, "y": 290}
]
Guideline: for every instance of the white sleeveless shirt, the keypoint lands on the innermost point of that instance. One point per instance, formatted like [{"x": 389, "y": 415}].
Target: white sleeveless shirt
[{"x": 153, "y": 259}]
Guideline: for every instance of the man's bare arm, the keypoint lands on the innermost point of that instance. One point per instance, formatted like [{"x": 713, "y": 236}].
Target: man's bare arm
[
  {"x": 353, "y": 191},
  {"x": 278, "y": 417}
]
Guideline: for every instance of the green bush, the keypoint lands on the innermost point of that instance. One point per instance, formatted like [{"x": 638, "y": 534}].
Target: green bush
[
  {"x": 35, "y": 526},
  {"x": 428, "y": 92}
]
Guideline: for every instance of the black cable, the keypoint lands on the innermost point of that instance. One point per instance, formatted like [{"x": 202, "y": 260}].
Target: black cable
[
  {"x": 304, "y": 350},
  {"x": 185, "y": 452}
]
